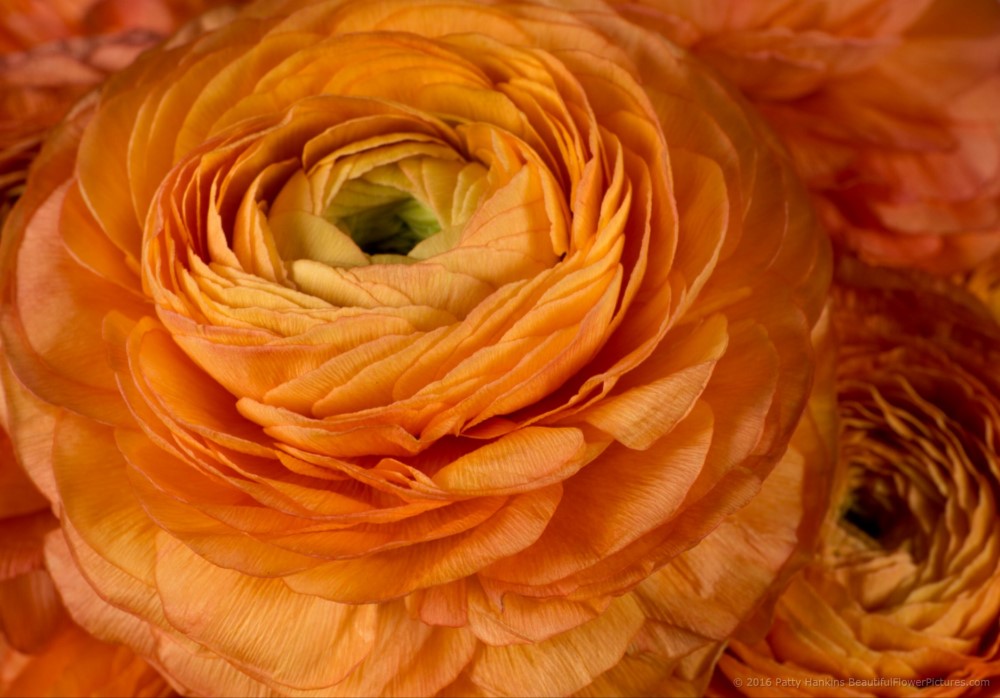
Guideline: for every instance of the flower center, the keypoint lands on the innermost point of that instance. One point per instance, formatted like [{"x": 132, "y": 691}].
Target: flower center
[
  {"x": 380, "y": 219},
  {"x": 878, "y": 514}
]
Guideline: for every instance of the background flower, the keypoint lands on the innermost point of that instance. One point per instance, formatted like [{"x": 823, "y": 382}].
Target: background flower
[
  {"x": 366, "y": 349},
  {"x": 52, "y": 52},
  {"x": 28, "y": 24},
  {"x": 907, "y": 581},
  {"x": 37, "y": 87},
  {"x": 888, "y": 106},
  {"x": 73, "y": 663}
]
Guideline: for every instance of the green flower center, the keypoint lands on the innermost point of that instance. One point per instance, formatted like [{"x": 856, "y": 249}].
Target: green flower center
[
  {"x": 380, "y": 219},
  {"x": 394, "y": 228}
]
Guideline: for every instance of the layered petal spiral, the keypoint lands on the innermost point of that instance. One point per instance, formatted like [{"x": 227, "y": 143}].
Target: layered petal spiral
[{"x": 904, "y": 595}]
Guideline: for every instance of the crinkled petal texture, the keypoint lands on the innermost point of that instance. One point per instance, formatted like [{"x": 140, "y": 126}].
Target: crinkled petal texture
[
  {"x": 410, "y": 348},
  {"x": 888, "y": 106},
  {"x": 42, "y": 652},
  {"x": 904, "y": 597}
]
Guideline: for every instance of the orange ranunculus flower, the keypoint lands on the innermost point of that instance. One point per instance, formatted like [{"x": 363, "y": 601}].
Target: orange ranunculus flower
[
  {"x": 904, "y": 596},
  {"x": 888, "y": 106},
  {"x": 414, "y": 348}
]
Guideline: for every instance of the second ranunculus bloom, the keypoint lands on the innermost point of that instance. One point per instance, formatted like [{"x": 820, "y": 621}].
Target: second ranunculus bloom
[
  {"x": 903, "y": 596},
  {"x": 412, "y": 348},
  {"x": 889, "y": 108}
]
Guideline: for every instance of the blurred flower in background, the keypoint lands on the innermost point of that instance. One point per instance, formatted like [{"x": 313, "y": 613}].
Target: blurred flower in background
[
  {"x": 889, "y": 108},
  {"x": 54, "y": 51},
  {"x": 906, "y": 584}
]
